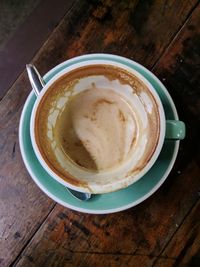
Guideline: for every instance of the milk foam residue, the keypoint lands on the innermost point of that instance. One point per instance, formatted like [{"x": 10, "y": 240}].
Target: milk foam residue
[{"x": 108, "y": 118}]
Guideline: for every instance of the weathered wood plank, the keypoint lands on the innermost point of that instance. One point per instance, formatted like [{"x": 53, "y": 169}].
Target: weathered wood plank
[
  {"x": 28, "y": 38},
  {"x": 142, "y": 230},
  {"x": 89, "y": 28},
  {"x": 179, "y": 69},
  {"x": 12, "y": 15},
  {"x": 163, "y": 262},
  {"x": 185, "y": 245},
  {"x": 91, "y": 260},
  {"x": 73, "y": 239},
  {"x": 139, "y": 30},
  {"x": 184, "y": 248}
]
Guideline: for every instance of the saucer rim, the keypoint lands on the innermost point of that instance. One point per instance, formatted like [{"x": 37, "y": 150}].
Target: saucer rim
[{"x": 85, "y": 210}]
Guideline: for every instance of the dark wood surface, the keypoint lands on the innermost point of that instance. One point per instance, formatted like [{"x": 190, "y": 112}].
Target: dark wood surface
[
  {"x": 165, "y": 229},
  {"x": 28, "y": 38}
]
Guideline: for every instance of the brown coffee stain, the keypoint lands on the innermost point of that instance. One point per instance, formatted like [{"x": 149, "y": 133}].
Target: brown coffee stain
[
  {"x": 102, "y": 101},
  {"x": 133, "y": 141},
  {"x": 121, "y": 116}
]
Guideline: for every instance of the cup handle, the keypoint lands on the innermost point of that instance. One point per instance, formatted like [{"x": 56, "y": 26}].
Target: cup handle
[{"x": 175, "y": 130}]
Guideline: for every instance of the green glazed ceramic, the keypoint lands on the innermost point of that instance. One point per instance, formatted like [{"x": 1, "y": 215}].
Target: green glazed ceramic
[{"x": 110, "y": 202}]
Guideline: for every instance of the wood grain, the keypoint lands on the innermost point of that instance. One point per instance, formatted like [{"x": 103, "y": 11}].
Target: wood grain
[
  {"x": 72, "y": 239},
  {"x": 179, "y": 69},
  {"x": 140, "y": 30},
  {"x": 28, "y": 38},
  {"x": 92, "y": 260},
  {"x": 138, "y": 236},
  {"x": 12, "y": 15},
  {"x": 141, "y": 231},
  {"x": 163, "y": 262},
  {"x": 186, "y": 250}
]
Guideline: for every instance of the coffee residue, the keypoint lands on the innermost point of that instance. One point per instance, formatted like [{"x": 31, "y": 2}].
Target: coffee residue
[{"x": 94, "y": 136}]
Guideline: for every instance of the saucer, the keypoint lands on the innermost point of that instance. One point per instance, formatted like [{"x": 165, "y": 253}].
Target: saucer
[{"x": 110, "y": 202}]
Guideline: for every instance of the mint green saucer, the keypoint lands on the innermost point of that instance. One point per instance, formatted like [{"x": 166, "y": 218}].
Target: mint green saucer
[{"x": 111, "y": 202}]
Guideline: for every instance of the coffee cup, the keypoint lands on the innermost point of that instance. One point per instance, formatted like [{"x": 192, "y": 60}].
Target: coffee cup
[{"x": 99, "y": 126}]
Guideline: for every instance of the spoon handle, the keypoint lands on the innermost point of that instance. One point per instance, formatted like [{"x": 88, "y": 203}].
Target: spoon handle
[{"x": 36, "y": 80}]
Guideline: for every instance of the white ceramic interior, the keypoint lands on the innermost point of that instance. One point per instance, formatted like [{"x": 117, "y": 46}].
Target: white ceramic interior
[{"x": 118, "y": 175}]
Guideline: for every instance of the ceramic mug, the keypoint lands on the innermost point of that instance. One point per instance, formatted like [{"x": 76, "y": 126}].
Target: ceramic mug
[{"x": 118, "y": 178}]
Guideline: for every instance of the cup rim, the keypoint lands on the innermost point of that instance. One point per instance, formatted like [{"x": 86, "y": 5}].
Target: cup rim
[{"x": 116, "y": 185}]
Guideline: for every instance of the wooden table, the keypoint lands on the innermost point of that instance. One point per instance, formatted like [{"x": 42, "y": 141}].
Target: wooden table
[{"x": 164, "y": 230}]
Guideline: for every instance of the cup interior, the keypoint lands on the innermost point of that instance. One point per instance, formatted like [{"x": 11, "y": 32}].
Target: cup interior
[{"x": 121, "y": 177}]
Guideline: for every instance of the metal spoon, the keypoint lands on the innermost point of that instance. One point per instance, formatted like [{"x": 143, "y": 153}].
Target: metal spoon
[{"x": 37, "y": 84}]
